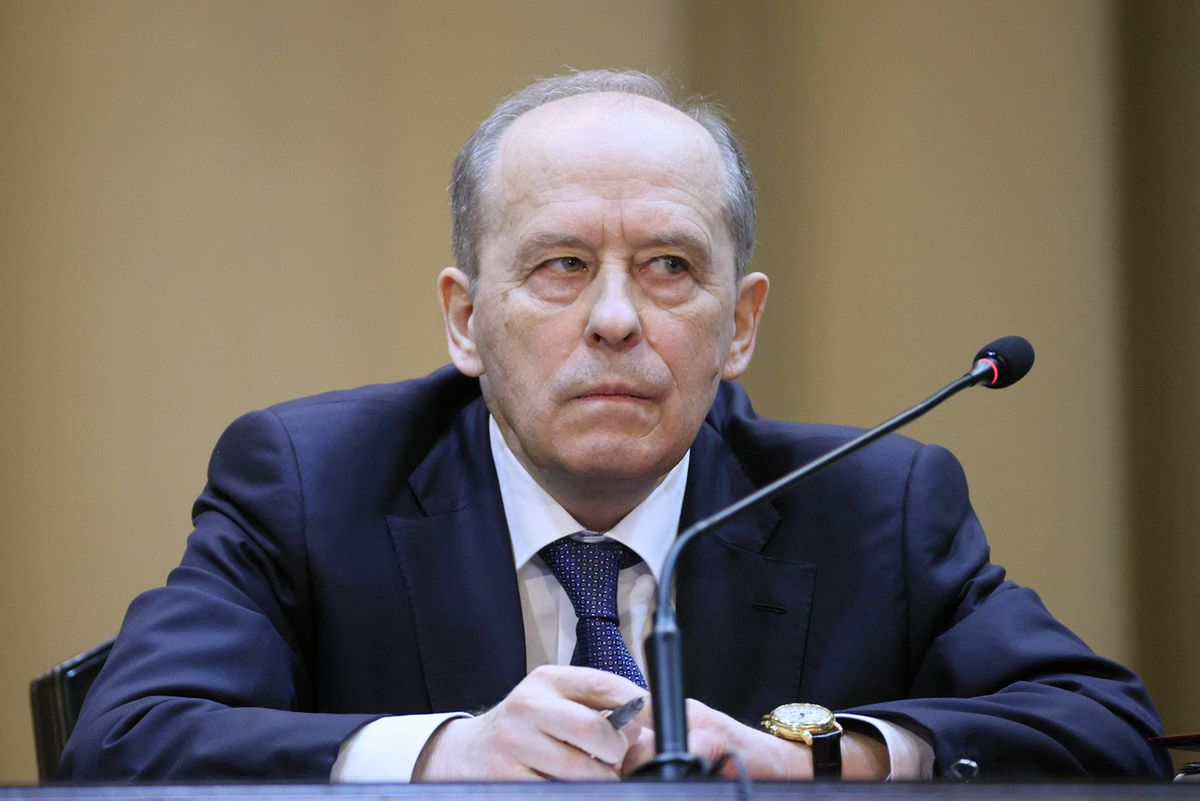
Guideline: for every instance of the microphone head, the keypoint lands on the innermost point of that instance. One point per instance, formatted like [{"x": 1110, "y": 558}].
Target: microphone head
[{"x": 1008, "y": 359}]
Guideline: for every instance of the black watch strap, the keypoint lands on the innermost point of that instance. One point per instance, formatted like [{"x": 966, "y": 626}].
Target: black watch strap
[{"x": 827, "y": 755}]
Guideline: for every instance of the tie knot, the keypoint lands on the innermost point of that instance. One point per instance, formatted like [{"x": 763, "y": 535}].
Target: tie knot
[
  {"x": 571, "y": 555},
  {"x": 588, "y": 572}
]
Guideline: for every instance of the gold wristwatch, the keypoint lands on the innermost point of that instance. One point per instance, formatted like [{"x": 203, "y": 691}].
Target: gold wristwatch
[{"x": 813, "y": 725}]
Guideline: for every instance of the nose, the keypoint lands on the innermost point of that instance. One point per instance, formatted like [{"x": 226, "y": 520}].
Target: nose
[{"x": 613, "y": 319}]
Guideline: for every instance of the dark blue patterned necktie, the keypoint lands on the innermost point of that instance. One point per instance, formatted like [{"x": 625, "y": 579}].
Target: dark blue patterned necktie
[{"x": 588, "y": 572}]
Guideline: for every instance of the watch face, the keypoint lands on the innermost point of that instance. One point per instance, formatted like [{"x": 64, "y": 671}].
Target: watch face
[{"x": 803, "y": 716}]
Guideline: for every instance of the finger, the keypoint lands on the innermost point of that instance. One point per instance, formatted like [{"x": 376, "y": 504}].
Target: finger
[
  {"x": 545, "y": 703},
  {"x": 712, "y": 733},
  {"x": 598, "y": 689},
  {"x": 641, "y": 750},
  {"x": 555, "y": 759},
  {"x": 584, "y": 728},
  {"x": 514, "y": 743},
  {"x": 570, "y": 714}
]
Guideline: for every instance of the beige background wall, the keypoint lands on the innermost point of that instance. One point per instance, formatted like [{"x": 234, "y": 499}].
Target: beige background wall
[
  {"x": 209, "y": 207},
  {"x": 1160, "y": 88}
]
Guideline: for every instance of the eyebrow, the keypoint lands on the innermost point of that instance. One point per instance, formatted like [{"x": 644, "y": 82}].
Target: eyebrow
[
  {"x": 551, "y": 240},
  {"x": 683, "y": 240},
  {"x": 548, "y": 240}
]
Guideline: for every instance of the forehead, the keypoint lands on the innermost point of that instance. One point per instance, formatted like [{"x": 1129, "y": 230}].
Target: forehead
[{"x": 610, "y": 145}]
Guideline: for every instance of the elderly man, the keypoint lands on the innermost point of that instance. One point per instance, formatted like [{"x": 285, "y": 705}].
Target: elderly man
[{"x": 372, "y": 569}]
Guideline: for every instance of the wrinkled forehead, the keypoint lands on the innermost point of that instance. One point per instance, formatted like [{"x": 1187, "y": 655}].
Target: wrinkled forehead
[{"x": 607, "y": 136}]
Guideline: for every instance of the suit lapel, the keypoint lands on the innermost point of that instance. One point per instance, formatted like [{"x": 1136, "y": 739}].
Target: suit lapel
[
  {"x": 453, "y": 545},
  {"x": 743, "y": 614}
]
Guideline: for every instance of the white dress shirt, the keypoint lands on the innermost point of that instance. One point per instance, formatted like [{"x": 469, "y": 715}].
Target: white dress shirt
[{"x": 386, "y": 750}]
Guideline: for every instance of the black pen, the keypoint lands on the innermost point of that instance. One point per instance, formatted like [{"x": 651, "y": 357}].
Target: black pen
[{"x": 625, "y": 712}]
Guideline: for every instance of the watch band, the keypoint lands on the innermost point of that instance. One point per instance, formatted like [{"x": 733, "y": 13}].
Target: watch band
[{"x": 827, "y": 755}]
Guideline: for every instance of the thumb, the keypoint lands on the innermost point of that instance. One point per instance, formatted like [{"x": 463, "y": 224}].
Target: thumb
[{"x": 641, "y": 750}]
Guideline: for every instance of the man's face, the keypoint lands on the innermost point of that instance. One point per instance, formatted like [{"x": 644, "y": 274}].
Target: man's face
[{"x": 604, "y": 309}]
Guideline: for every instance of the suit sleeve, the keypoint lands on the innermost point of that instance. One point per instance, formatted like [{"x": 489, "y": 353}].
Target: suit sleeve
[
  {"x": 996, "y": 679},
  {"x": 210, "y": 675}
]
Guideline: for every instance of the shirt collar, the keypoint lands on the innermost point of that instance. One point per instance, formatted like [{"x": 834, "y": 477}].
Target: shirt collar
[{"x": 535, "y": 519}]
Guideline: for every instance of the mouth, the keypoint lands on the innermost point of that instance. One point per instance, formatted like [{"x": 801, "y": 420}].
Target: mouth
[{"x": 613, "y": 392}]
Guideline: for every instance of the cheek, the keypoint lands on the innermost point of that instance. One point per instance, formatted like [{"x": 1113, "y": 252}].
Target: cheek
[
  {"x": 552, "y": 330},
  {"x": 498, "y": 328},
  {"x": 694, "y": 346},
  {"x": 523, "y": 350}
]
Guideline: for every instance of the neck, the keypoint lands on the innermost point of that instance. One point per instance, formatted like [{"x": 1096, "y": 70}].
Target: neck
[
  {"x": 601, "y": 503},
  {"x": 597, "y": 501}
]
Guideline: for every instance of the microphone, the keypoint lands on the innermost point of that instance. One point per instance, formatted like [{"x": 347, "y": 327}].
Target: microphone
[
  {"x": 1003, "y": 362},
  {"x": 998, "y": 364}
]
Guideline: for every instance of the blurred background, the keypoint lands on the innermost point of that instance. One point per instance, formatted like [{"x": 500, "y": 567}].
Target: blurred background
[{"x": 208, "y": 207}]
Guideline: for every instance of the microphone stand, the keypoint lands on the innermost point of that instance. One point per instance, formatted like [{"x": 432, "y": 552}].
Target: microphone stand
[{"x": 664, "y": 653}]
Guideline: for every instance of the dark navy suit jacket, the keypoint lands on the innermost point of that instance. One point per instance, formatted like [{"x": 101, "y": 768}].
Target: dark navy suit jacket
[{"x": 350, "y": 559}]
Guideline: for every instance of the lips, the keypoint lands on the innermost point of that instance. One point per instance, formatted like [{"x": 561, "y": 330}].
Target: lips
[{"x": 613, "y": 392}]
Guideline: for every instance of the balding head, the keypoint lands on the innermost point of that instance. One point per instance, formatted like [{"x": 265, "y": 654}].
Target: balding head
[{"x": 474, "y": 167}]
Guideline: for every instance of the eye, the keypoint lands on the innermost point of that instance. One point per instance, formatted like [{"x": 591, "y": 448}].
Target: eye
[
  {"x": 565, "y": 264},
  {"x": 669, "y": 265}
]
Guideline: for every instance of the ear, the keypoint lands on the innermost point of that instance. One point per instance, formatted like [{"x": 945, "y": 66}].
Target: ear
[
  {"x": 454, "y": 292},
  {"x": 747, "y": 313}
]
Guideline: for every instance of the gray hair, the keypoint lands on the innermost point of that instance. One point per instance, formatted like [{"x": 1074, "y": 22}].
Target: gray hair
[{"x": 473, "y": 165}]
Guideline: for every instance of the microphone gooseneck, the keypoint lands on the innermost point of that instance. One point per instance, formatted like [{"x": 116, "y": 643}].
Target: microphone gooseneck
[{"x": 998, "y": 364}]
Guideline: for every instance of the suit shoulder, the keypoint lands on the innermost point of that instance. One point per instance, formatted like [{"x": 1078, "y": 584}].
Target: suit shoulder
[
  {"x": 444, "y": 389},
  {"x": 347, "y": 448},
  {"x": 371, "y": 422},
  {"x": 777, "y": 442}
]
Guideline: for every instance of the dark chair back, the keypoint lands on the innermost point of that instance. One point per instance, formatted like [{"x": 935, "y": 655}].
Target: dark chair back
[{"x": 56, "y": 697}]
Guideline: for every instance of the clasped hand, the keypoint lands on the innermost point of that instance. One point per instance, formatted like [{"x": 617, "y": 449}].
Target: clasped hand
[{"x": 551, "y": 727}]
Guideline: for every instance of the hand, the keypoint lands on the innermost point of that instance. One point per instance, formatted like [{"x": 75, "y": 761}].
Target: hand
[
  {"x": 712, "y": 734},
  {"x": 549, "y": 726}
]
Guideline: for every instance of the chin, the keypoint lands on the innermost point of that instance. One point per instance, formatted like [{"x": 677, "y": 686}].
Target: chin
[{"x": 632, "y": 459}]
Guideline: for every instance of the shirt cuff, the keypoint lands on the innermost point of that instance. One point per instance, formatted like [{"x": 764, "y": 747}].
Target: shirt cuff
[
  {"x": 386, "y": 750},
  {"x": 910, "y": 756}
]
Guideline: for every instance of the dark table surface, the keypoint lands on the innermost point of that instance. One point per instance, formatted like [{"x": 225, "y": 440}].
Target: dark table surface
[{"x": 612, "y": 791}]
